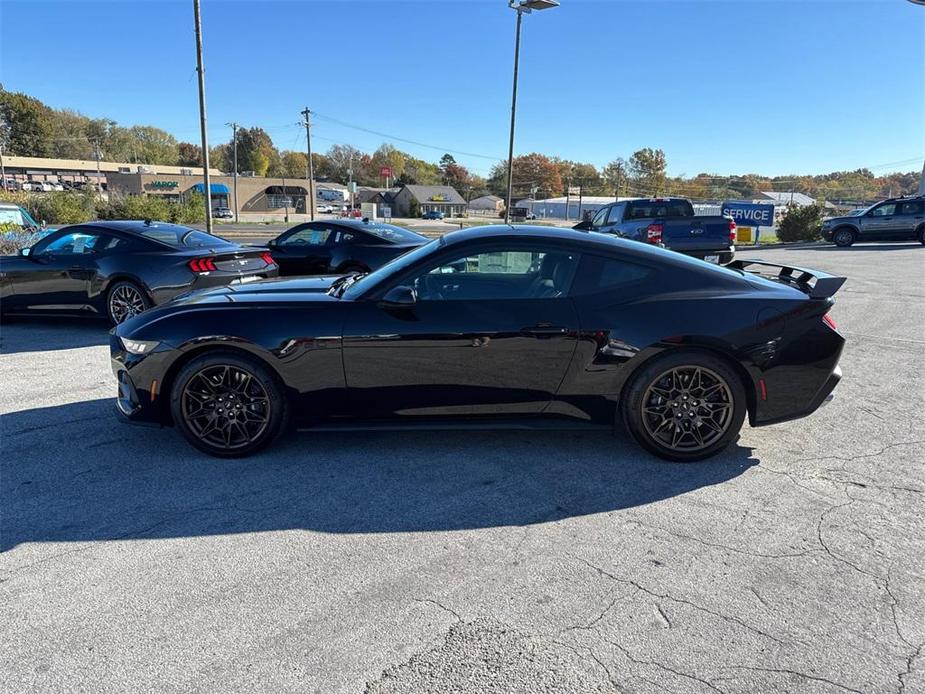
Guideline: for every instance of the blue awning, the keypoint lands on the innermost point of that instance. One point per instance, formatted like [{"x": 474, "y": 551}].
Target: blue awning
[{"x": 214, "y": 187}]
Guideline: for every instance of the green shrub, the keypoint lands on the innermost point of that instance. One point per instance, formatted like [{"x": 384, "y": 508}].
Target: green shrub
[
  {"x": 801, "y": 224},
  {"x": 63, "y": 208},
  {"x": 13, "y": 238}
]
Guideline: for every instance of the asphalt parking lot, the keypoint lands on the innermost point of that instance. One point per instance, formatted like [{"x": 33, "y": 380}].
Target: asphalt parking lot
[{"x": 488, "y": 562}]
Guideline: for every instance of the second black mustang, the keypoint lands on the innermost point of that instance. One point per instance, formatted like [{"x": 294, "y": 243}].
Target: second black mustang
[{"x": 498, "y": 321}]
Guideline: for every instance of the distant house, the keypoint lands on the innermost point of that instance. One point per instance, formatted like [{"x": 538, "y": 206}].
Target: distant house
[
  {"x": 379, "y": 196},
  {"x": 487, "y": 203},
  {"x": 442, "y": 198}
]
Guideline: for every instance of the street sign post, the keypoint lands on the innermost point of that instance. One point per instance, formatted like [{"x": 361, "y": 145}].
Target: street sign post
[{"x": 750, "y": 214}]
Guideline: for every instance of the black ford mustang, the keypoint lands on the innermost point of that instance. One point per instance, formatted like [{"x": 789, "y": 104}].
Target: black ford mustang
[
  {"x": 508, "y": 322},
  {"x": 340, "y": 246},
  {"x": 118, "y": 269}
]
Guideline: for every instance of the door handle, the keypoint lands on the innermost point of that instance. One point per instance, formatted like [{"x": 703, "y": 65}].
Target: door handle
[{"x": 544, "y": 330}]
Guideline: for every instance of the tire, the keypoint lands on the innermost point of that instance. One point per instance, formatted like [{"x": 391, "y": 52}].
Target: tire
[
  {"x": 125, "y": 300},
  {"x": 920, "y": 234},
  {"x": 671, "y": 418},
  {"x": 843, "y": 237},
  {"x": 352, "y": 267},
  {"x": 228, "y": 405}
]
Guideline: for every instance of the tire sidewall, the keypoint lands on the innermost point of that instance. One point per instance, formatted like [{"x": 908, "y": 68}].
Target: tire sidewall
[
  {"x": 279, "y": 408},
  {"x": 842, "y": 234},
  {"x": 125, "y": 283},
  {"x": 631, "y": 402}
]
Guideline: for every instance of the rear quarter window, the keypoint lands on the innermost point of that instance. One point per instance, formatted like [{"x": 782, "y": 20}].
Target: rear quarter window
[{"x": 598, "y": 274}]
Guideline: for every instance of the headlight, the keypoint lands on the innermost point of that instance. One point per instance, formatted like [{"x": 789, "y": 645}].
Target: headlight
[{"x": 138, "y": 346}]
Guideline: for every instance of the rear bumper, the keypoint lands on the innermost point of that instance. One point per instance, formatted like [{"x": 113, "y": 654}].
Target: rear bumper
[{"x": 822, "y": 397}]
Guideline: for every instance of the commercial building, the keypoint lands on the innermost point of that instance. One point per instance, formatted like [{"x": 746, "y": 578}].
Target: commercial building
[
  {"x": 441, "y": 198},
  {"x": 22, "y": 169},
  {"x": 562, "y": 208},
  {"x": 487, "y": 205},
  {"x": 256, "y": 194}
]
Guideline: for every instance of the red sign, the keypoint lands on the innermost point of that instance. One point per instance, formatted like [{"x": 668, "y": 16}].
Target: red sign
[{"x": 385, "y": 172}]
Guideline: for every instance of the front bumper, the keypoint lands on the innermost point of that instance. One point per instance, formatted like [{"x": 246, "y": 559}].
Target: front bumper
[{"x": 139, "y": 380}]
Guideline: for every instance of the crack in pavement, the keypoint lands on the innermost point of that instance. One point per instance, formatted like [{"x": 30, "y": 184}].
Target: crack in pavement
[
  {"x": 661, "y": 666},
  {"x": 666, "y": 596},
  {"x": 785, "y": 671}
]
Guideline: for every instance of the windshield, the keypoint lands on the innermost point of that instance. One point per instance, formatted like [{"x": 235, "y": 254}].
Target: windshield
[
  {"x": 394, "y": 233},
  {"x": 182, "y": 237},
  {"x": 365, "y": 282}
]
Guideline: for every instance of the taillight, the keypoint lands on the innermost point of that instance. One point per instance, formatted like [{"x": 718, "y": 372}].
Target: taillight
[
  {"x": 267, "y": 258},
  {"x": 732, "y": 231},
  {"x": 202, "y": 265},
  {"x": 827, "y": 319},
  {"x": 654, "y": 233}
]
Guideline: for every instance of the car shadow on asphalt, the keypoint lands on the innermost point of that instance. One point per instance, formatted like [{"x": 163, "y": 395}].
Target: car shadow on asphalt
[
  {"x": 41, "y": 334},
  {"x": 74, "y": 473}
]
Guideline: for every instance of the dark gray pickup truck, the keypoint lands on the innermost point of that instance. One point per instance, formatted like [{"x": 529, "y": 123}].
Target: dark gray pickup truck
[{"x": 669, "y": 222}]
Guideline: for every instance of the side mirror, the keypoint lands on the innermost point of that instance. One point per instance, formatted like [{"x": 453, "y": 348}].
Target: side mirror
[
  {"x": 401, "y": 296},
  {"x": 24, "y": 252},
  {"x": 583, "y": 226}
]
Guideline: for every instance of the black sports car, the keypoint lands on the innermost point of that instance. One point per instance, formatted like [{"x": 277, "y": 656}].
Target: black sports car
[
  {"x": 119, "y": 269},
  {"x": 494, "y": 322},
  {"x": 340, "y": 246}
]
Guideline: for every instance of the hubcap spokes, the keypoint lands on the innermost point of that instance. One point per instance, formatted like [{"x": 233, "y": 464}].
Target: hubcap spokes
[
  {"x": 687, "y": 408},
  {"x": 226, "y": 406},
  {"x": 125, "y": 303}
]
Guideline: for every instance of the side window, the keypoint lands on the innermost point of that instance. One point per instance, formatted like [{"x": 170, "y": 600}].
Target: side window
[
  {"x": 76, "y": 242},
  {"x": 599, "y": 218},
  {"x": 911, "y": 208},
  {"x": 616, "y": 214},
  {"x": 884, "y": 211},
  {"x": 599, "y": 274},
  {"x": 499, "y": 274},
  {"x": 308, "y": 237}
]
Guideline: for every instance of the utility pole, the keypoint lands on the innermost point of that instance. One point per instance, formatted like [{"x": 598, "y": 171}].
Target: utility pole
[
  {"x": 2, "y": 169},
  {"x": 311, "y": 167},
  {"x": 207, "y": 182},
  {"x": 234, "y": 140},
  {"x": 99, "y": 184},
  {"x": 350, "y": 181},
  {"x": 922, "y": 181}
]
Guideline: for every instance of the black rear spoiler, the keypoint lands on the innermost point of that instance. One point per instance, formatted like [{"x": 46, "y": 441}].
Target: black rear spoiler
[{"x": 819, "y": 285}]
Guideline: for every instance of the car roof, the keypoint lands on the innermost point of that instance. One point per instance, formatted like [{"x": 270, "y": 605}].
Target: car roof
[{"x": 137, "y": 226}]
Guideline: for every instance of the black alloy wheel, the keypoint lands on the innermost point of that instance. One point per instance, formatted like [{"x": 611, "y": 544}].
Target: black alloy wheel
[
  {"x": 685, "y": 406},
  {"x": 843, "y": 238},
  {"x": 125, "y": 301},
  {"x": 228, "y": 406}
]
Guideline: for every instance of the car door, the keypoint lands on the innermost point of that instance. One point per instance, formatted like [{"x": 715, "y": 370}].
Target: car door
[
  {"x": 909, "y": 216},
  {"x": 305, "y": 249},
  {"x": 58, "y": 274},
  {"x": 492, "y": 331},
  {"x": 879, "y": 224}
]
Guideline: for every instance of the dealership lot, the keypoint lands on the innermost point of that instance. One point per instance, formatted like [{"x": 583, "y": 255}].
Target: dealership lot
[{"x": 472, "y": 561}]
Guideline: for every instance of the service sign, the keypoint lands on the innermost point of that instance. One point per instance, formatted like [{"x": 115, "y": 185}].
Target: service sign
[{"x": 750, "y": 214}]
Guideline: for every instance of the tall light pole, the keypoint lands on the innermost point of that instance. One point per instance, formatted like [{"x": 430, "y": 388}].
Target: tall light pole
[
  {"x": 234, "y": 147},
  {"x": 207, "y": 182},
  {"x": 522, "y": 7}
]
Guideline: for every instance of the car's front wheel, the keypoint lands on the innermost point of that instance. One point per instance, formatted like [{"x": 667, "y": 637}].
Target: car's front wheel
[
  {"x": 843, "y": 237},
  {"x": 125, "y": 300},
  {"x": 228, "y": 405},
  {"x": 685, "y": 406}
]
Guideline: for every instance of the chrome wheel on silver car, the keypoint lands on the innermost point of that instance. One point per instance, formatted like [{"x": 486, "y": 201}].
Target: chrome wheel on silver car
[{"x": 125, "y": 301}]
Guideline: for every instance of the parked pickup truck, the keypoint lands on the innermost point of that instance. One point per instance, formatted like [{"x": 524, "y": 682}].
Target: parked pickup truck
[{"x": 669, "y": 222}]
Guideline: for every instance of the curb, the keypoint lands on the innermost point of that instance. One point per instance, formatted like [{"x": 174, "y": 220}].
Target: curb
[{"x": 792, "y": 244}]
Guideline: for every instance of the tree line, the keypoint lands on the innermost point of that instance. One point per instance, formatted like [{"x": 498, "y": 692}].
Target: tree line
[{"x": 29, "y": 127}]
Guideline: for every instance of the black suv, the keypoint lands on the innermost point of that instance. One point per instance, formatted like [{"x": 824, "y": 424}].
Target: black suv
[{"x": 896, "y": 219}]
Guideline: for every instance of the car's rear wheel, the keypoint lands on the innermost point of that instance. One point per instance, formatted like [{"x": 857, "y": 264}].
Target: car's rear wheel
[
  {"x": 920, "y": 234},
  {"x": 843, "y": 237},
  {"x": 125, "y": 300},
  {"x": 685, "y": 406},
  {"x": 228, "y": 405}
]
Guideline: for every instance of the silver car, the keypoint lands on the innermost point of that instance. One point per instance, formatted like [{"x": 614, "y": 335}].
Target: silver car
[{"x": 896, "y": 219}]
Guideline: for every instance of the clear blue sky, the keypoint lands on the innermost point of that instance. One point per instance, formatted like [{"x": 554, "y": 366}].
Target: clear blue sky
[{"x": 723, "y": 87}]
